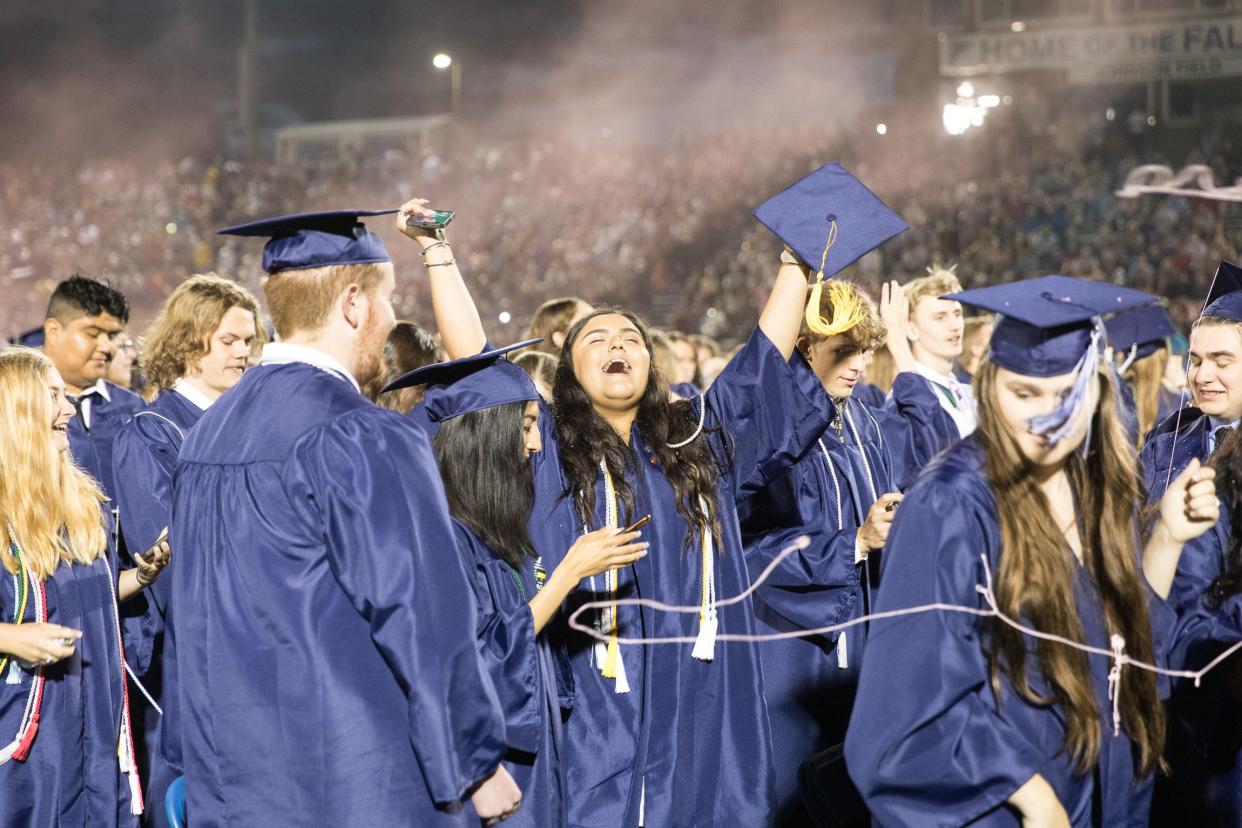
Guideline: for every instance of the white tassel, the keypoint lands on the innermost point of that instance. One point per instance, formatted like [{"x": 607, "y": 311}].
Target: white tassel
[
  {"x": 135, "y": 795},
  {"x": 705, "y": 643},
  {"x": 623, "y": 684},
  {"x": 843, "y": 658},
  {"x": 601, "y": 654},
  {"x": 7, "y": 753},
  {"x": 15, "y": 673}
]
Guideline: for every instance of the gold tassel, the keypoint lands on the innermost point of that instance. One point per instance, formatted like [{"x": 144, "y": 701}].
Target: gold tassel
[
  {"x": 847, "y": 309},
  {"x": 610, "y": 661}
]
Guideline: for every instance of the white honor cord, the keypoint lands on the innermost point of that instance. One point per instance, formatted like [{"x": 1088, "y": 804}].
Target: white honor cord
[
  {"x": 1117, "y": 654},
  {"x": 1177, "y": 423},
  {"x": 836, "y": 487},
  {"x": 699, "y": 429}
]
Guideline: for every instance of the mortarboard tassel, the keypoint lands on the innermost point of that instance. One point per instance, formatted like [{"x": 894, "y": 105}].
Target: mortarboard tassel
[
  {"x": 1056, "y": 424},
  {"x": 705, "y": 641},
  {"x": 847, "y": 310}
]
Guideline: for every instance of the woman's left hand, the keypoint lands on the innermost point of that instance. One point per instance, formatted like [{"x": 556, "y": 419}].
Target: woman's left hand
[
  {"x": 1190, "y": 507},
  {"x": 152, "y": 562}
]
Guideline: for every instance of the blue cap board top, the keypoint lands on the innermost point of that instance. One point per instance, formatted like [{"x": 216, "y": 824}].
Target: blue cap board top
[
  {"x": 829, "y": 210},
  {"x": 32, "y": 338},
  {"x": 1049, "y": 327},
  {"x": 462, "y": 385},
  {"x": 1142, "y": 330},
  {"x": 305, "y": 240},
  {"x": 1046, "y": 324},
  {"x": 1225, "y": 296}
]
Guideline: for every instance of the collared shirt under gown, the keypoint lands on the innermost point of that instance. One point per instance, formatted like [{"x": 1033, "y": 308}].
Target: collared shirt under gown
[
  {"x": 928, "y": 743},
  {"x": 143, "y": 456},
  {"x": 524, "y": 671},
  {"x": 71, "y": 778},
  {"x": 809, "y": 682},
  {"x": 329, "y": 674},
  {"x": 691, "y": 740}
]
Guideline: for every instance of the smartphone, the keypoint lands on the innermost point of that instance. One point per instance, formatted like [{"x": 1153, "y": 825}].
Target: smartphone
[
  {"x": 438, "y": 219},
  {"x": 636, "y": 525}
]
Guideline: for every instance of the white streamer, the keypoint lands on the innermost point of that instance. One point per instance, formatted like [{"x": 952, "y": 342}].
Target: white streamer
[{"x": 1116, "y": 653}]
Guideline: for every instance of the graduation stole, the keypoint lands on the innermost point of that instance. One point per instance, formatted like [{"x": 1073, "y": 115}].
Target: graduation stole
[
  {"x": 24, "y": 583},
  {"x": 612, "y": 665}
]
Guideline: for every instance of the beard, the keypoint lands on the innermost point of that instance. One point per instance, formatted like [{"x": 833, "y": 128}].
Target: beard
[{"x": 369, "y": 365}]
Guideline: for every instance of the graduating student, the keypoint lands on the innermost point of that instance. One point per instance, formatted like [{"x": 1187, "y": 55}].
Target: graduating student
[
  {"x": 67, "y": 749},
  {"x": 487, "y": 410},
  {"x": 1215, "y": 380},
  {"x": 197, "y": 348},
  {"x": 961, "y": 719},
  {"x": 665, "y": 735},
  {"x": 553, "y": 319},
  {"x": 84, "y": 319},
  {"x": 925, "y": 338},
  {"x": 328, "y": 673},
  {"x": 840, "y": 495},
  {"x": 1140, "y": 341}
]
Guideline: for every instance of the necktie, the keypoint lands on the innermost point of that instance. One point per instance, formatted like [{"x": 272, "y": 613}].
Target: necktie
[
  {"x": 77, "y": 400},
  {"x": 1219, "y": 436}
]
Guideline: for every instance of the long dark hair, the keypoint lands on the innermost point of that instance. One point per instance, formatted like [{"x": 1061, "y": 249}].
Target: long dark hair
[
  {"x": 487, "y": 477},
  {"x": 585, "y": 439},
  {"x": 1227, "y": 459},
  {"x": 1035, "y": 578}
]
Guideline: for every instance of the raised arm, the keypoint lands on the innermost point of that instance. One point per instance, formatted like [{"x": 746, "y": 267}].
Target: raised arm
[
  {"x": 781, "y": 318},
  {"x": 461, "y": 329}
]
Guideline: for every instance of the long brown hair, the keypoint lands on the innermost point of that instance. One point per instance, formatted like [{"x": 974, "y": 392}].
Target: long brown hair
[
  {"x": 586, "y": 439},
  {"x": 1035, "y": 578},
  {"x": 49, "y": 504},
  {"x": 1146, "y": 377}
]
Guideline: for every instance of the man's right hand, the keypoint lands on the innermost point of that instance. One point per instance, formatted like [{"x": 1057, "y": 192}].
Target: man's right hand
[
  {"x": 496, "y": 799},
  {"x": 874, "y": 531}
]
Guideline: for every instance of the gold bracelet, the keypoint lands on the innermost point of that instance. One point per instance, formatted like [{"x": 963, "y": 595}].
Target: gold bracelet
[{"x": 431, "y": 247}]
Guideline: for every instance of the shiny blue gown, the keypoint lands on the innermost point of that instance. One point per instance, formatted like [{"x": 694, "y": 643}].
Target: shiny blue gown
[
  {"x": 690, "y": 744},
  {"x": 524, "y": 670},
  {"x": 929, "y": 743},
  {"x": 809, "y": 682},
  {"x": 326, "y": 656},
  {"x": 143, "y": 456}
]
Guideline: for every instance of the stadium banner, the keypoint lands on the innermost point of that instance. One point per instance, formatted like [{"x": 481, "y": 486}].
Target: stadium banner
[{"x": 1203, "y": 48}]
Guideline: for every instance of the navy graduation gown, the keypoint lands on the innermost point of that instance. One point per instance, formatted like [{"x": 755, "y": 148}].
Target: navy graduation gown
[
  {"x": 92, "y": 449},
  {"x": 143, "y": 456},
  {"x": 915, "y": 400},
  {"x": 1204, "y": 786},
  {"x": 870, "y": 395},
  {"x": 71, "y": 777},
  {"x": 1171, "y": 446},
  {"x": 523, "y": 670},
  {"x": 690, "y": 744},
  {"x": 809, "y": 682},
  {"x": 328, "y": 673},
  {"x": 928, "y": 743}
]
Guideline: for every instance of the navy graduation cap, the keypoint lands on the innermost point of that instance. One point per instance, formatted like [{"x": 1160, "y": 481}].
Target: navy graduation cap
[
  {"x": 1139, "y": 332},
  {"x": 1048, "y": 327},
  {"x": 305, "y": 240},
  {"x": 462, "y": 385},
  {"x": 1225, "y": 297},
  {"x": 830, "y": 220}
]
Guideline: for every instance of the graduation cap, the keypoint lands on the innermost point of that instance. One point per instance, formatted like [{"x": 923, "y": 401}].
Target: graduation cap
[
  {"x": 830, "y": 220},
  {"x": 463, "y": 385},
  {"x": 32, "y": 338},
  {"x": 1225, "y": 297},
  {"x": 1048, "y": 327},
  {"x": 1139, "y": 332},
  {"x": 304, "y": 240}
]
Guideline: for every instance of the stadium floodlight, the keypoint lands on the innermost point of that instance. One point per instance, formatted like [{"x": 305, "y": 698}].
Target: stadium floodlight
[
  {"x": 957, "y": 118},
  {"x": 966, "y": 89},
  {"x": 989, "y": 101},
  {"x": 442, "y": 61},
  {"x": 882, "y": 129}
]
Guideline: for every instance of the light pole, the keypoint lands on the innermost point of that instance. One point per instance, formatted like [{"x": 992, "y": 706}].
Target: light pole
[{"x": 444, "y": 61}]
